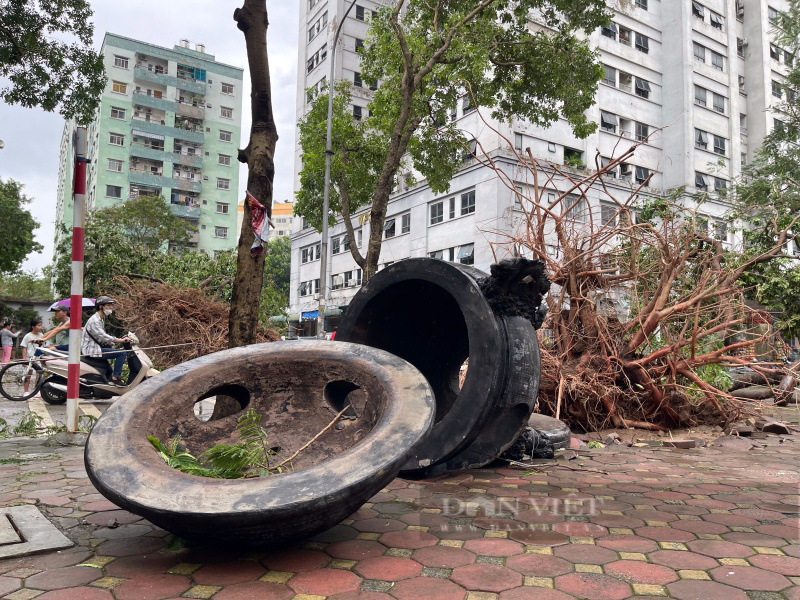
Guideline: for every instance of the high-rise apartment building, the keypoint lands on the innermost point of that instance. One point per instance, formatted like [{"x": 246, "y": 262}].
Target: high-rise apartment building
[
  {"x": 695, "y": 79},
  {"x": 168, "y": 125}
]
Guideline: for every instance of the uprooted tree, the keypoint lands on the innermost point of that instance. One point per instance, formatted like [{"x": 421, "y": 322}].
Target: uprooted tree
[{"x": 647, "y": 307}]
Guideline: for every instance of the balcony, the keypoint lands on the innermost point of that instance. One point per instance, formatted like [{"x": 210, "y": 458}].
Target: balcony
[
  {"x": 189, "y": 85},
  {"x": 143, "y": 151},
  {"x": 196, "y": 111},
  {"x": 166, "y": 130},
  {"x": 190, "y": 160},
  {"x": 142, "y": 99},
  {"x": 185, "y": 211},
  {"x": 186, "y": 185},
  {"x": 148, "y": 178}
]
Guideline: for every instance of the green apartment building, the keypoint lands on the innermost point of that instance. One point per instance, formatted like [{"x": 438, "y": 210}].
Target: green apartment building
[{"x": 169, "y": 124}]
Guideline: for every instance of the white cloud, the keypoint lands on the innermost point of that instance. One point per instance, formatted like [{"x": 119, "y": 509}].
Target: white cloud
[{"x": 32, "y": 136}]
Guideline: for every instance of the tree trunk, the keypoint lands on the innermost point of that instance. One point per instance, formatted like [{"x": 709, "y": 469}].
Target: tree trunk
[
  {"x": 756, "y": 392},
  {"x": 259, "y": 155}
]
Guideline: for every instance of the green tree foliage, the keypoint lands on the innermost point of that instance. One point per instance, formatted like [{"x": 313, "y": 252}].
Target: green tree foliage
[
  {"x": 427, "y": 56},
  {"x": 128, "y": 238},
  {"x": 46, "y": 57},
  {"x": 29, "y": 285},
  {"x": 768, "y": 197},
  {"x": 16, "y": 227}
]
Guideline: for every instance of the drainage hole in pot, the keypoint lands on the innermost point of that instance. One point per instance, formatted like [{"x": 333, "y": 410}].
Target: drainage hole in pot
[
  {"x": 337, "y": 397},
  {"x": 221, "y": 402}
]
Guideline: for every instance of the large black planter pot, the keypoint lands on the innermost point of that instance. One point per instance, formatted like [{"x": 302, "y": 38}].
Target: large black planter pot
[
  {"x": 297, "y": 387},
  {"x": 434, "y": 315}
]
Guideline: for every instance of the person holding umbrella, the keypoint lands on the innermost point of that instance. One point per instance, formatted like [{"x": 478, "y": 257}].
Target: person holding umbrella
[{"x": 61, "y": 331}]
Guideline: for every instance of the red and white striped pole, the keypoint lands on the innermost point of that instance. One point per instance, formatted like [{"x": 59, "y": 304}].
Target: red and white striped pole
[{"x": 76, "y": 288}]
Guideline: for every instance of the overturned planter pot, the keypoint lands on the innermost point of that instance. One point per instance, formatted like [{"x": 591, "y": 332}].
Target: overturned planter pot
[
  {"x": 435, "y": 315},
  {"x": 298, "y": 388}
]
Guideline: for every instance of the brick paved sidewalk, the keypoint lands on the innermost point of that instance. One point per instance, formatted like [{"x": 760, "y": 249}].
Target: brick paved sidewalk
[{"x": 719, "y": 522}]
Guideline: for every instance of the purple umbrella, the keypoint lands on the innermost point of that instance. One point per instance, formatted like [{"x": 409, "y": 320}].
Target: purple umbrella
[{"x": 85, "y": 303}]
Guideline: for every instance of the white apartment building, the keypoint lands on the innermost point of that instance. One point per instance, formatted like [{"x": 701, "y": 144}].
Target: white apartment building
[{"x": 697, "y": 77}]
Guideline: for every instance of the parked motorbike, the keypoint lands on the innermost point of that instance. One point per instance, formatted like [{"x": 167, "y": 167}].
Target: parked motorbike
[{"x": 95, "y": 374}]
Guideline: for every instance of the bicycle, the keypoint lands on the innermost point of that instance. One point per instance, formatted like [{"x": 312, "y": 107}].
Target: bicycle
[{"x": 16, "y": 375}]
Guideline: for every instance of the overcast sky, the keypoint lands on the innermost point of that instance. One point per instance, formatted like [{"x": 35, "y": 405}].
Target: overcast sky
[{"x": 32, "y": 136}]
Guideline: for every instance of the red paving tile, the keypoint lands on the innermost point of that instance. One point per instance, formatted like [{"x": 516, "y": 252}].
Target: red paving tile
[
  {"x": 720, "y": 549},
  {"x": 55, "y": 579},
  {"x": 255, "y": 589},
  {"x": 634, "y": 571},
  {"x": 594, "y": 586},
  {"x": 534, "y": 593},
  {"x": 427, "y": 588},
  {"x": 494, "y": 547},
  {"x": 785, "y": 565},
  {"x": 77, "y": 593},
  {"x": 586, "y": 554},
  {"x": 408, "y": 539},
  {"x": 9, "y": 584},
  {"x": 627, "y": 543},
  {"x": 687, "y": 589},
  {"x": 486, "y": 578},
  {"x": 152, "y": 587},
  {"x": 324, "y": 582},
  {"x": 539, "y": 565},
  {"x": 680, "y": 559},
  {"x": 227, "y": 573},
  {"x": 388, "y": 568},
  {"x": 750, "y": 578},
  {"x": 294, "y": 561},
  {"x": 355, "y": 549},
  {"x": 443, "y": 557}
]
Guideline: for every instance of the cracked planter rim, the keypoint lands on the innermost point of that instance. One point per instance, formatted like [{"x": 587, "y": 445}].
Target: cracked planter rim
[{"x": 397, "y": 412}]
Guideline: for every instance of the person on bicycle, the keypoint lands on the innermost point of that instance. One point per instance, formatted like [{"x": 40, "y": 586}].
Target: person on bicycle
[
  {"x": 61, "y": 331},
  {"x": 96, "y": 342}
]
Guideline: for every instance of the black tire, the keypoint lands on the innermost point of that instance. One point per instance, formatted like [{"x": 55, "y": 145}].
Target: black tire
[
  {"x": 52, "y": 395},
  {"x": 554, "y": 432},
  {"x": 297, "y": 387},
  {"x": 12, "y": 381},
  {"x": 455, "y": 323}
]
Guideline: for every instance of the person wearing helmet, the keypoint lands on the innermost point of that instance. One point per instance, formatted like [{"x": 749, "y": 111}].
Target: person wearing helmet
[{"x": 96, "y": 342}]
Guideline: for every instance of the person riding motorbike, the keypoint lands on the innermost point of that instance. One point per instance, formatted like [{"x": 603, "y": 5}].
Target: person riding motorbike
[{"x": 96, "y": 342}]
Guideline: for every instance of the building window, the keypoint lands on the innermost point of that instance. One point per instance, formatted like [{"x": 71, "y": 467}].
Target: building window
[
  {"x": 740, "y": 47},
  {"x": 776, "y": 89},
  {"x": 114, "y": 165},
  {"x": 119, "y": 87},
  {"x": 699, "y": 52},
  {"x": 466, "y": 105},
  {"x": 624, "y": 35},
  {"x": 359, "y": 237},
  {"x": 356, "y": 112},
  {"x": 451, "y": 213},
  {"x": 120, "y": 61},
  {"x": 116, "y": 139},
  {"x": 117, "y": 113},
  {"x": 224, "y": 160},
  {"x": 225, "y": 112},
  {"x": 642, "y": 88},
  {"x": 223, "y": 184},
  {"x": 700, "y": 95},
  {"x": 227, "y": 88},
  {"x": 608, "y": 121},
  {"x": 222, "y": 208},
  {"x": 772, "y": 14},
  {"x": 576, "y": 207},
  {"x": 719, "y": 103},
  {"x": 610, "y": 76},
  {"x": 317, "y": 58},
  {"x": 437, "y": 213},
  {"x": 743, "y": 123},
  {"x": 610, "y": 31},
  {"x": 742, "y": 89},
  {"x": 389, "y": 229},
  {"x": 608, "y": 214},
  {"x": 225, "y": 136},
  {"x": 720, "y": 230},
  {"x": 220, "y": 232},
  {"x": 719, "y": 145},
  {"x": 717, "y": 21},
  {"x": 642, "y": 43},
  {"x": 642, "y": 4},
  {"x": 113, "y": 191},
  {"x": 701, "y": 139},
  {"x": 642, "y": 131},
  {"x": 720, "y": 185},
  {"x": 468, "y": 203},
  {"x": 701, "y": 181},
  {"x": 359, "y": 13},
  {"x": 335, "y": 245},
  {"x": 359, "y": 44},
  {"x": 357, "y": 79},
  {"x": 518, "y": 142},
  {"x": 642, "y": 174},
  {"x": 466, "y": 254},
  {"x": 405, "y": 226},
  {"x": 308, "y": 253},
  {"x": 717, "y": 61},
  {"x": 698, "y": 10}
]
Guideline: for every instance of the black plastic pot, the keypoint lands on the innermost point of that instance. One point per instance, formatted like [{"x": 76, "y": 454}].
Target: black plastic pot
[
  {"x": 433, "y": 314},
  {"x": 298, "y": 387}
]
